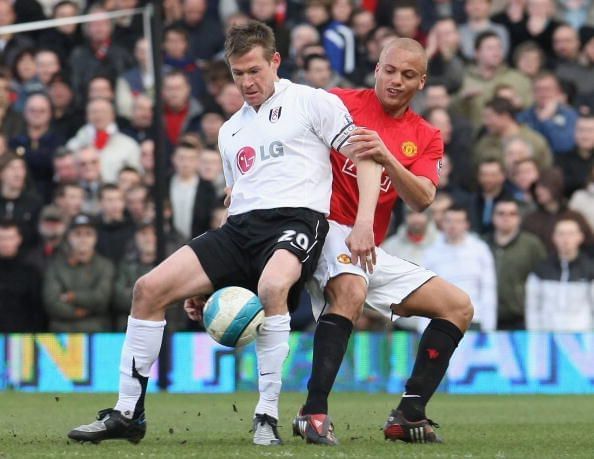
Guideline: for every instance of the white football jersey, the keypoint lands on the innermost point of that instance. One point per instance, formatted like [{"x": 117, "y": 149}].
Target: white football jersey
[{"x": 279, "y": 156}]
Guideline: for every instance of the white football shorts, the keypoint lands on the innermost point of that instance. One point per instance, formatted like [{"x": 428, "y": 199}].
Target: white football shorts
[{"x": 393, "y": 279}]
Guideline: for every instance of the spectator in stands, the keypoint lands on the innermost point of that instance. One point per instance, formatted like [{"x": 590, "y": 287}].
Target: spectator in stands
[
  {"x": 17, "y": 203},
  {"x": 210, "y": 123},
  {"x": 559, "y": 291},
  {"x": 265, "y": 11},
  {"x": 230, "y": 100},
  {"x": 525, "y": 173},
  {"x": 206, "y": 35},
  {"x": 47, "y": 64},
  {"x": 147, "y": 161},
  {"x": 501, "y": 126},
  {"x": 465, "y": 260},
  {"x": 216, "y": 76},
  {"x": 431, "y": 11},
  {"x": 136, "y": 203},
  {"x": 117, "y": 150},
  {"x": 510, "y": 93},
  {"x": 362, "y": 23},
  {"x": 78, "y": 284},
  {"x": 457, "y": 142},
  {"x": 176, "y": 56},
  {"x": 89, "y": 166},
  {"x": 576, "y": 164},
  {"x": 317, "y": 14},
  {"x": 12, "y": 44},
  {"x": 11, "y": 122},
  {"x": 63, "y": 39},
  {"x": 582, "y": 200},
  {"x": 529, "y": 59},
  {"x": 102, "y": 86},
  {"x": 567, "y": 63},
  {"x": 182, "y": 112},
  {"x": 552, "y": 207},
  {"x": 21, "y": 309},
  {"x": 539, "y": 25},
  {"x": 458, "y": 194},
  {"x": 67, "y": 119},
  {"x": 338, "y": 38},
  {"x": 446, "y": 65},
  {"x": 134, "y": 82},
  {"x": 65, "y": 170},
  {"x": 210, "y": 169},
  {"x": 38, "y": 142},
  {"x": 24, "y": 78},
  {"x": 406, "y": 21},
  {"x": 192, "y": 199},
  {"x": 512, "y": 18},
  {"x": 141, "y": 123},
  {"x": 550, "y": 115},
  {"x": 69, "y": 198},
  {"x": 99, "y": 55},
  {"x": 515, "y": 149},
  {"x": 442, "y": 202},
  {"x": 302, "y": 35},
  {"x": 319, "y": 73},
  {"x": 51, "y": 228},
  {"x": 492, "y": 188},
  {"x": 128, "y": 177},
  {"x": 478, "y": 12},
  {"x": 128, "y": 29},
  {"x": 516, "y": 254},
  {"x": 490, "y": 71},
  {"x": 114, "y": 228},
  {"x": 413, "y": 237}
]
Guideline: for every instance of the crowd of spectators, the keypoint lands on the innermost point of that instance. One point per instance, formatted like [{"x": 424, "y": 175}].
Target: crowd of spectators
[{"x": 510, "y": 86}]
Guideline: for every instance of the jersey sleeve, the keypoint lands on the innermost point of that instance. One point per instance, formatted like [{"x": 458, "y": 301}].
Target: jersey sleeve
[
  {"x": 429, "y": 162},
  {"x": 330, "y": 119},
  {"x": 227, "y": 167}
]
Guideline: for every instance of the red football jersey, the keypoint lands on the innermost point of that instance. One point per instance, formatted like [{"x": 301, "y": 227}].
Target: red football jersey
[{"x": 411, "y": 139}]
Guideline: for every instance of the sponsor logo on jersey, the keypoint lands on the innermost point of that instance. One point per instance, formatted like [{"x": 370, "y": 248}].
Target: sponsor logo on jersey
[
  {"x": 245, "y": 159},
  {"x": 275, "y": 114},
  {"x": 344, "y": 259},
  {"x": 409, "y": 149}
]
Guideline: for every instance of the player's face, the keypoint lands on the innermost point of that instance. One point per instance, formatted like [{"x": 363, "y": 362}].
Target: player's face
[
  {"x": 399, "y": 74},
  {"x": 254, "y": 75}
]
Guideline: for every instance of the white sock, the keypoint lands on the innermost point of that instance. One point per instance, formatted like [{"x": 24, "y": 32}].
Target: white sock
[
  {"x": 272, "y": 348},
  {"x": 140, "y": 350}
]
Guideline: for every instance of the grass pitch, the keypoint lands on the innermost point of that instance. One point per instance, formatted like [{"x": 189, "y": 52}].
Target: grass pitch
[{"x": 218, "y": 426}]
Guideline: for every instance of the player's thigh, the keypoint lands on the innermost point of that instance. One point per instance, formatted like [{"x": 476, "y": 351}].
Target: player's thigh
[
  {"x": 334, "y": 263},
  {"x": 178, "y": 277},
  {"x": 287, "y": 249},
  {"x": 438, "y": 299},
  {"x": 393, "y": 282}
]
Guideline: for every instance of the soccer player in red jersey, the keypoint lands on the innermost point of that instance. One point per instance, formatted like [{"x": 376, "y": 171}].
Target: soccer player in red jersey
[{"x": 410, "y": 150}]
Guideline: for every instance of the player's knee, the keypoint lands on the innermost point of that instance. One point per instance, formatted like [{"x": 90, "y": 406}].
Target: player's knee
[
  {"x": 273, "y": 295},
  {"x": 145, "y": 296},
  {"x": 461, "y": 310},
  {"x": 347, "y": 299}
]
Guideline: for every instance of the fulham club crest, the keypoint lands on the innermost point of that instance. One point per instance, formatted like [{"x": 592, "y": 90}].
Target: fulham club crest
[{"x": 275, "y": 114}]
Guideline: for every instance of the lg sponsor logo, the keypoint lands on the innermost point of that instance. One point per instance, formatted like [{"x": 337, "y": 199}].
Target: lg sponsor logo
[{"x": 246, "y": 156}]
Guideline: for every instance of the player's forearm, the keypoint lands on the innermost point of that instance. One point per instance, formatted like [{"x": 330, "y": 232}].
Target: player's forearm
[
  {"x": 368, "y": 181},
  {"x": 417, "y": 192}
]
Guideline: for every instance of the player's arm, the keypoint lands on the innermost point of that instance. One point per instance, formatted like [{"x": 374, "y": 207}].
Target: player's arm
[
  {"x": 336, "y": 121},
  {"x": 417, "y": 191}
]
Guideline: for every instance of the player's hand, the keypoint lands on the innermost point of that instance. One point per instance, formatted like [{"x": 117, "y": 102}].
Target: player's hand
[
  {"x": 361, "y": 243},
  {"x": 194, "y": 307},
  {"x": 367, "y": 144}
]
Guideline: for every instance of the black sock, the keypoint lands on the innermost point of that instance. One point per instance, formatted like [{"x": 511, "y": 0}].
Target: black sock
[
  {"x": 440, "y": 339},
  {"x": 330, "y": 343}
]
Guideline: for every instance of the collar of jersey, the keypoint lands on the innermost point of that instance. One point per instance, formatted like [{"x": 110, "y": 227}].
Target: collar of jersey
[{"x": 279, "y": 87}]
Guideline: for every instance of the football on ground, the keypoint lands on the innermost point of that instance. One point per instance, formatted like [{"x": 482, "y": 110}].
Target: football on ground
[{"x": 232, "y": 316}]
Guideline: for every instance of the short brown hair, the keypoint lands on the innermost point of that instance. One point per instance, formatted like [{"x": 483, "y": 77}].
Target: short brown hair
[{"x": 241, "y": 39}]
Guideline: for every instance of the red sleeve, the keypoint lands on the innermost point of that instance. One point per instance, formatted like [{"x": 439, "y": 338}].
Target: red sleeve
[{"x": 429, "y": 161}]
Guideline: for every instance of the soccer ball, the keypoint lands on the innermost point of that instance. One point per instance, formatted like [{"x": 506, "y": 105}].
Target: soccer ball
[{"x": 232, "y": 316}]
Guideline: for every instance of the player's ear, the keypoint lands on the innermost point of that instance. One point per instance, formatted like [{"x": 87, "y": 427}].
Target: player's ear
[
  {"x": 422, "y": 81},
  {"x": 276, "y": 59}
]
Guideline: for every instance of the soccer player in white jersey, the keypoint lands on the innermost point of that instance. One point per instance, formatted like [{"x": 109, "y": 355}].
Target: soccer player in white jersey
[{"x": 276, "y": 156}]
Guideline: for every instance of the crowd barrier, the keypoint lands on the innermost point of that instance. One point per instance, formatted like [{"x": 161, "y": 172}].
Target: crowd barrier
[{"x": 493, "y": 363}]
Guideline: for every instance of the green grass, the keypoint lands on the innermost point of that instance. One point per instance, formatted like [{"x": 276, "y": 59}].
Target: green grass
[{"x": 35, "y": 425}]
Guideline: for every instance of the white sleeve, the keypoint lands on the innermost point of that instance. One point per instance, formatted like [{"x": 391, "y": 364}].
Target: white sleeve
[
  {"x": 227, "y": 167},
  {"x": 329, "y": 118},
  {"x": 533, "y": 308},
  {"x": 488, "y": 291}
]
